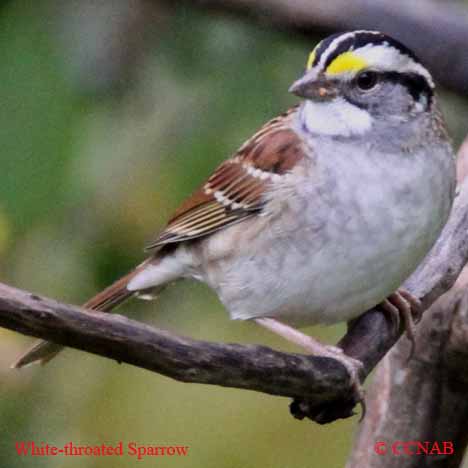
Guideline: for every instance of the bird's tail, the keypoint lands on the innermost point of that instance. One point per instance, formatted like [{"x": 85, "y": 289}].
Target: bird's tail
[{"x": 105, "y": 301}]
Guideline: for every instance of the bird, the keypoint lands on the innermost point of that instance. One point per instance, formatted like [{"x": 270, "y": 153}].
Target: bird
[{"x": 324, "y": 212}]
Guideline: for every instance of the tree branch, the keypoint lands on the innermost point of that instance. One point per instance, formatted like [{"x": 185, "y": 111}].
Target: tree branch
[
  {"x": 320, "y": 386},
  {"x": 411, "y": 22},
  {"x": 114, "y": 336}
]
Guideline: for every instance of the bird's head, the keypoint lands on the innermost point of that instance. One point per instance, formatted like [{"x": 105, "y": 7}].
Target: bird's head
[{"x": 356, "y": 79}]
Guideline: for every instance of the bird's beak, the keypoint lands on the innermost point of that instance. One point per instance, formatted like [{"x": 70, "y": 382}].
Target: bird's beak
[{"x": 316, "y": 89}]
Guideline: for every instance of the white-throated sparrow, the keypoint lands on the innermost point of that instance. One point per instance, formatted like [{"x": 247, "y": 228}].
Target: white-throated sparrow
[{"x": 325, "y": 211}]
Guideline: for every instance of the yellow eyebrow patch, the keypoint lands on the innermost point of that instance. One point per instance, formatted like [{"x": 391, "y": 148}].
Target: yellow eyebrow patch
[
  {"x": 311, "y": 59},
  {"x": 346, "y": 62},
  {"x": 312, "y": 56}
]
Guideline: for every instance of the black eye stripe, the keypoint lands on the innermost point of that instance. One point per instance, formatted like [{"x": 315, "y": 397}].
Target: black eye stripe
[{"x": 416, "y": 85}]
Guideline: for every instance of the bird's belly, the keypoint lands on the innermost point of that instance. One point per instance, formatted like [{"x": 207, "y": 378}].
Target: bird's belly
[
  {"x": 302, "y": 284},
  {"x": 338, "y": 282},
  {"x": 327, "y": 271}
]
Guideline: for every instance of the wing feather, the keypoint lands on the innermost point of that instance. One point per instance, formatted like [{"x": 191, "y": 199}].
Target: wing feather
[{"x": 237, "y": 188}]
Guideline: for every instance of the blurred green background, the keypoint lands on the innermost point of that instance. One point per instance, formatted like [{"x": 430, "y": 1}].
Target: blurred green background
[{"x": 110, "y": 115}]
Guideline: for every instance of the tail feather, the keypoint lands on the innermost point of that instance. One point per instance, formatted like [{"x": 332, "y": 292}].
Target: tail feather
[{"x": 105, "y": 301}]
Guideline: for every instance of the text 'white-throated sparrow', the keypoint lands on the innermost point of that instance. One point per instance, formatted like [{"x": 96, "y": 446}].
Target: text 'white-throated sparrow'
[{"x": 325, "y": 211}]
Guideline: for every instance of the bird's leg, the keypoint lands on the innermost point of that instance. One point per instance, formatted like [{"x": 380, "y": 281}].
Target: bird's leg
[
  {"x": 353, "y": 366},
  {"x": 401, "y": 304}
]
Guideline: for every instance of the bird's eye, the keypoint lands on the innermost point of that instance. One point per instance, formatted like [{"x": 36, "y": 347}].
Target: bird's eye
[{"x": 367, "y": 80}]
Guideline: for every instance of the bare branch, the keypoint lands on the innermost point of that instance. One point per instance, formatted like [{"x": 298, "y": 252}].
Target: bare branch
[
  {"x": 442, "y": 25},
  {"x": 117, "y": 337}
]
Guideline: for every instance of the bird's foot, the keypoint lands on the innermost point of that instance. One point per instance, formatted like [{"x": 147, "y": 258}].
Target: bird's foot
[
  {"x": 314, "y": 347},
  {"x": 403, "y": 305},
  {"x": 354, "y": 368}
]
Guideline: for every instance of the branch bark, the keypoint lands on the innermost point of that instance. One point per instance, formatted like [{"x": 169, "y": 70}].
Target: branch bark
[
  {"x": 114, "y": 336},
  {"x": 320, "y": 386},
  {"x": 443, "y": 25},
  {"x": 421, "y": 400}
]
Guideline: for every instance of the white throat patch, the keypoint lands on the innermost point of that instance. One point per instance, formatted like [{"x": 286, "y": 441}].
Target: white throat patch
[{"x": 337, "y": 117}]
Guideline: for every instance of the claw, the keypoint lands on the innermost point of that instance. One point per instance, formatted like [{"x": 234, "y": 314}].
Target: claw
[
  {"x": 353, "y": 366},
  {"x": 393, "y": 313},
  {"x": 407, "y": 307},
  {"x": 363, "y": 409},
  {"x": 415, "y": 304}
]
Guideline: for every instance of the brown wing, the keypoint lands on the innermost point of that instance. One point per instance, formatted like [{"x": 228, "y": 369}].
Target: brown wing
[
  {"x": 236, "y": 189},
  {"x": 234, "y": 192}
]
